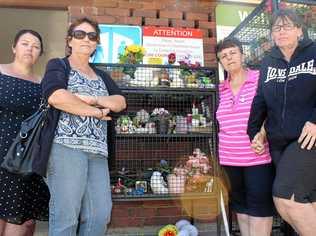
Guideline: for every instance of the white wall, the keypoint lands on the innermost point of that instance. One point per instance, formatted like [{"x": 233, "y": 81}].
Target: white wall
[{"x": 51, "y": 24}]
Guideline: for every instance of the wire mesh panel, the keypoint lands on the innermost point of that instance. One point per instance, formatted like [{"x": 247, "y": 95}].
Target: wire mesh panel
[
  {"x": 254, "y": 34},
  {"x": 161, "y": 76},
  {"x": 165, "y": 141},
  {"x": 254, "y": 31},
  {"x": 168, "y": 126},
  {"x": 147, "y": 140}
]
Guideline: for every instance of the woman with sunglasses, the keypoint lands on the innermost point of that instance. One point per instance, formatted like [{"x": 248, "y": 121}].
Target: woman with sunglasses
[
  {"x": 286, "y": 103},
  {"x": 78, "y": 174},
  {"x": 22, "y": 200}
]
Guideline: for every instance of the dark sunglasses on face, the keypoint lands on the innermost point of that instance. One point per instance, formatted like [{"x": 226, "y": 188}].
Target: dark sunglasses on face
[{"x": 80, "y": 34}]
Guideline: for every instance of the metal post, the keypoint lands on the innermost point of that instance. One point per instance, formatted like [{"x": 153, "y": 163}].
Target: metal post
[{"x": 275, "y": 5}]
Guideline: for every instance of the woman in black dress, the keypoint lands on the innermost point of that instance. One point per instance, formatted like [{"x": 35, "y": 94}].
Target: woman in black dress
[{"x": 21, "y": 200}]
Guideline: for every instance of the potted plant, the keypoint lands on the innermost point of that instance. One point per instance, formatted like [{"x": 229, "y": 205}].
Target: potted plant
[
  {"x": 161, "y": 117},
  {"x": 198, "y": 172},
  {"x": 133, "y": 54},
  {"x": 194, "y": 75},
  {"x": 188, "y": 71}
]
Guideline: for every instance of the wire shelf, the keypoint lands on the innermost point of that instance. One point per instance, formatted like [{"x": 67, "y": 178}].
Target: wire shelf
[
  {"x": 161, "y": 76},
  {"x": 166, "y": 121}
]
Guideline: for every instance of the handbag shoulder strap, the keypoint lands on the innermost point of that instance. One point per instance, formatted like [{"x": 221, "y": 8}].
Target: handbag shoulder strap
[{"x": 64, "y": 61}]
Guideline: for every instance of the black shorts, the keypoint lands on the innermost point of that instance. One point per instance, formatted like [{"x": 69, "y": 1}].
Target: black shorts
[
  {"x": 295, "y": 173},
  {"x": 251, "y": 189}
]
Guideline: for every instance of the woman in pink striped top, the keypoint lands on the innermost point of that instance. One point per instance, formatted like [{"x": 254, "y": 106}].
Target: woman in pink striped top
[{"x": 250, "y": 172}]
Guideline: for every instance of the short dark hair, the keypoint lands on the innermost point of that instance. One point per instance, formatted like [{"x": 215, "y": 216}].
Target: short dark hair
[
  {"x": 28, "y": 31},
  {"x": 77, "y": 22},
  {"x": 287, "y": 14},
  {"x": 228, "y": 43}
]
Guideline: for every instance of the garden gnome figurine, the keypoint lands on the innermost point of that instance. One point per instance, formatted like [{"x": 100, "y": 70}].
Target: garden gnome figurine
[{"x": 157, "y": 184}]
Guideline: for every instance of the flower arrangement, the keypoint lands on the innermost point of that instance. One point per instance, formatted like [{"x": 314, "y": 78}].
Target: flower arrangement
[
  {"x": 198, "y": 163},
  {"x": 168, "y": 230},
  {"x": 196, "y": 171},
  {"x": 194, "y": 75},
  {"x": 187, "y": 67},
  {"x": 182, "y": 227},
  {"x": 161, "y": 117},
  {"x": 133, "y": 54},
  {"x": 188, "y": 71},
  {"x": 160, "y": 114}
]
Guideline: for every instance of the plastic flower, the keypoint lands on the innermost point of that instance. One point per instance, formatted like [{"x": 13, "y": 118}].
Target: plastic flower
[
  {"x": 133, "y": 54},
  {"x": 187, "y": 67},
  {"x": 168, "y": 230},
  {"x": 160, "y": 113},
  {"x": 171, "y": 58},
  {"x": 135, "y": 48}
]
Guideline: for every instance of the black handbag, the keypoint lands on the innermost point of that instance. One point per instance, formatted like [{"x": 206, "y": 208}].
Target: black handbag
[{"x": 26, "y": 147}]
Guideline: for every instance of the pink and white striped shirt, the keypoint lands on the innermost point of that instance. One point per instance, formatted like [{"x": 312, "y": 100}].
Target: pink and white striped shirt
[{"x": 232, "y": 115}]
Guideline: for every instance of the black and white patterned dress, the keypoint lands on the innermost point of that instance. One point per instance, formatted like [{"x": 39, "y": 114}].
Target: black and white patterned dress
[
  {"x": 83, "y": 132},
  {"x": 20, "y": 199}
]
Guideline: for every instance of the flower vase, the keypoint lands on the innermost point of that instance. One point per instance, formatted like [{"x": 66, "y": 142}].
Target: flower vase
[
  {"x": 190, "y": 80},
  {"x": 176, "y": 183},
  {"x": 162, "y": 126}
]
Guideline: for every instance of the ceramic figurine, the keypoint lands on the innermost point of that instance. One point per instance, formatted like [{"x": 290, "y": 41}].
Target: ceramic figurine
[
  {"x": 176, "y": 183},
  {"x": 209, "y": 186},
  {"x": 157, "y": 184},
  {"x": 119, "y": 186}
]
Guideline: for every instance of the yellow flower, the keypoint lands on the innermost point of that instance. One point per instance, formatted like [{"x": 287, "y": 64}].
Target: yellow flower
[
  {"x": 133, "y": 54},
  {"x": 168, "y": 230},
  {"x": 133, "y": 48}
]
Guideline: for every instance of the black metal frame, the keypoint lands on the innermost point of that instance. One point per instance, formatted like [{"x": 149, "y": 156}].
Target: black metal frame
[{"x": 166, "y": 92}]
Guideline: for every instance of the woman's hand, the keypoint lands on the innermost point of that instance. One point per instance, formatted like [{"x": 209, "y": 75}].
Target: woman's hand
[
  {"x": 308, "y": 136},
  {"x": 103, "y": 114},
  {"x": 257, "y": 143}
]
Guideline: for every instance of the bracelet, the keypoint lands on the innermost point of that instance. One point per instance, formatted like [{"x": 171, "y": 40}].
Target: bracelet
[{"x": 95, "y": 100}]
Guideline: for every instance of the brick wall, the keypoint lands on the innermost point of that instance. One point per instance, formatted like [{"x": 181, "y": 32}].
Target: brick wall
[
  {"x": 161, "y": 212},
  {"x": 198, "y": 14}
]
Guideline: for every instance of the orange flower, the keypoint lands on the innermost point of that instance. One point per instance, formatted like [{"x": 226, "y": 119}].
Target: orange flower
[{"x": 168, "y": 230}]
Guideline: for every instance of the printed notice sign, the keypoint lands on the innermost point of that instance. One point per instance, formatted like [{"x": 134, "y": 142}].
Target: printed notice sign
[{"x": 161, "y": 41}]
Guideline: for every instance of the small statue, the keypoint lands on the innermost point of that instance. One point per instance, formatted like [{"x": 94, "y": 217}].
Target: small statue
[
  {"x": 157, "y": 183},
  {"x": 164, "y": 79},
  {"x": 209, "y": 186},
  {"x": 119, "y": 186}
]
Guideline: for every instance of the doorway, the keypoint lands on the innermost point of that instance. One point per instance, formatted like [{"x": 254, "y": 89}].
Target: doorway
[{"x": 51, "y": 24}]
